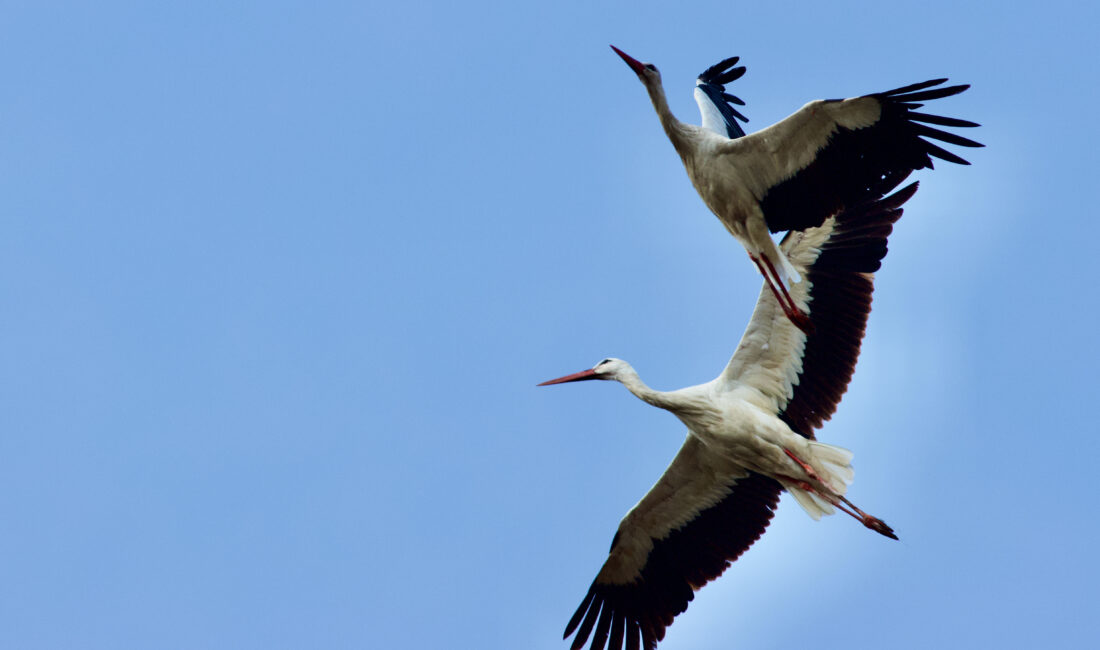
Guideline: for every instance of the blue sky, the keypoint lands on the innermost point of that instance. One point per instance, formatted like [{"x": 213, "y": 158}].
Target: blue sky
[{"x": 279, "y": 280}]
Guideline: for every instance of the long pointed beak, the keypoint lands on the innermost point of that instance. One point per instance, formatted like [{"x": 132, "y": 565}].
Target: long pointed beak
[
  {"x": 577, "y": 376},
  {"x": 634, "y": 64}
]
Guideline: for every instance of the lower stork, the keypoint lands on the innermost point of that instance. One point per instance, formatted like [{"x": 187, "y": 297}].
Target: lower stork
[{"x": 750, "y": 436}]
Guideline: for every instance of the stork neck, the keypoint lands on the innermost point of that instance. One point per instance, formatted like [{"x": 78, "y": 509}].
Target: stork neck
[
  {"x": 673, "y": 127},
  {"x": 635, "y": 385}
]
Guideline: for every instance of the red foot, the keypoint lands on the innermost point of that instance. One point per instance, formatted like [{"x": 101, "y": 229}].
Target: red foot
[
  {"x": 878, "y": 525},
  {"x": 874, "y": 523},
  {"x": 801, "y": 321}
]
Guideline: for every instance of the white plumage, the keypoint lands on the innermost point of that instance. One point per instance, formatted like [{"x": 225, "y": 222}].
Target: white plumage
[{"x": 750, "y": 435}]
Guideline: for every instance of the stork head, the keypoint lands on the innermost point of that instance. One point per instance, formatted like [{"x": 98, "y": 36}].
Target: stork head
[
  {"x": 647, "y": 72},
  {"x": 607, "y": 369}
]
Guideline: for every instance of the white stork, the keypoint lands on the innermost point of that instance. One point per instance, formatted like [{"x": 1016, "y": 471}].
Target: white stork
[
  {"x": 828, "y": 155},
  {"x": 750, "y": 436}
]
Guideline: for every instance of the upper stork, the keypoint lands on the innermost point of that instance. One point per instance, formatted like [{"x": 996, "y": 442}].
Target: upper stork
[
  {"x": 828, "y": 155},
  {"x": 750, "y": 436}
]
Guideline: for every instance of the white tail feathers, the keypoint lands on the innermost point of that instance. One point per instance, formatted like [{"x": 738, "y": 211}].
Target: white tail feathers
[
  {"x": 833, "y": 465},
  {"x": 814, "y": 505},
  {"x": 838, "y": 465}
]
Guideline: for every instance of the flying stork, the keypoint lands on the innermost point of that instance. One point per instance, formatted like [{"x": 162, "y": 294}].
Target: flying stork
[
  {"x": 828, "y": 155},
  {"x": 750, "y": 436}
]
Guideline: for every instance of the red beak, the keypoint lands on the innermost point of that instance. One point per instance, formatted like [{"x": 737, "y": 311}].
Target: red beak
[
  {"x": 634, "y": 64},
  {"x": 577, "y": 376}
]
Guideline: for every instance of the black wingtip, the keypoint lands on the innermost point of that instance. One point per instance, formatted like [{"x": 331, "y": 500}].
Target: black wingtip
[
  {"x": 913, "y": 87},
  {"x": 722, "y": 73},
  {"x": 935, "y": 93},
  {"x": 895, "y": 200},
  {"x": 943, "y": 154},
  {"x": 586, "y": 627},
  {"x": 945, "y": 136},
  {"x": 731, "y": 75},
  {"x": 734, "y": 99},
  {"x": 940, "y": 120},
  {"x": 579, "y": 614},
  {"x": 902, "y": 102}
]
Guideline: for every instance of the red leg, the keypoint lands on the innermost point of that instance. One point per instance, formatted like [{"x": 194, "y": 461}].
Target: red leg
[
  {"x": 874, "y": 523},
  {"x": 805, "y": 467},
  {"x": 784, "y": 303},
  {"x": 797, "y": 316}
]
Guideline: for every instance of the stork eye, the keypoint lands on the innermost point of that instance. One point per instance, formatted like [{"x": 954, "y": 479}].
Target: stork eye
[
  {"x": 603, "y": 362},
  {"x": 650, "y": 66}
]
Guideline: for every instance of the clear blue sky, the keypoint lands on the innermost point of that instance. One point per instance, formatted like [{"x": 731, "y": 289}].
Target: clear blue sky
[{"x": 278, "y": 281}]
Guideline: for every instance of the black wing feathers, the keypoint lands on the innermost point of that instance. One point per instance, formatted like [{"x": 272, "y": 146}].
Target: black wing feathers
[
  {"x": 938, "y": 119},
  {"x": 723, "y": 72},
  {"x": 864, "y": 164},
  {"x": 908, "y": 94},
  {"x": 839, "y": 306},
  {"x": 950, "y": 138},
  {"x": 713, "y": 82},
  {"x": 681, "y": 562}
]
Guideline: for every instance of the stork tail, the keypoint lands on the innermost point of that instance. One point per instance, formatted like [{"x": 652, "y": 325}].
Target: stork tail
[{"x": 831, "y": 466}]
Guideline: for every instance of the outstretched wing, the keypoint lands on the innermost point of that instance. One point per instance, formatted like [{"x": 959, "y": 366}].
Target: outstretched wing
[
  {"x": 801, "y": 377},
  {"x": 836, "y": 153},
  {"x": 702, "y": 514},
  {"x": 715, "y": 104}
]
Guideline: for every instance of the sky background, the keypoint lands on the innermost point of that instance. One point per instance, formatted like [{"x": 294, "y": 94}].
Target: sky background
[{"x": 277, "y": 281}]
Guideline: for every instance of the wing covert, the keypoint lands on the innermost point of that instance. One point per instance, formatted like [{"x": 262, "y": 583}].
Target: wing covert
[{"x": 835, "y": 153}]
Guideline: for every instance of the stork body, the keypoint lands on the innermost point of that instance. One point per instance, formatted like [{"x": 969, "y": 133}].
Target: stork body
[
  {"x": 828, "y": 155},
  {"x": 735, "y": 421},
  {"x": 750, "y": 435}
]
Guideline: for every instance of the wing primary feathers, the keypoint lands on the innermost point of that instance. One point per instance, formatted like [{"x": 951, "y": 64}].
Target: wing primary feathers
[
  {"x": 943, "y": 154},
  {"x": 649, "y": 639},
  {"x": 733, "y": 100},
  {"x": 897, "y": 199},
  {"x": 602, "y": 628},
  {"x": 618, "y": 626},
  {"x": 732, "y": 75},
  {"x": 733, "y": 111},
  {"x": 586, "y": 626},
  {"x": 852, "y": 165},
  {"x": 633, "y": 634},
  {"x": 576, "y": 620},
  {"x": 914, "y": 87},
  {"x": 937, "y": 134},
  {"x": 717, "y": 73},
  {"x": 942, "y": 121},
  {"x": 935, "y": 93}
]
